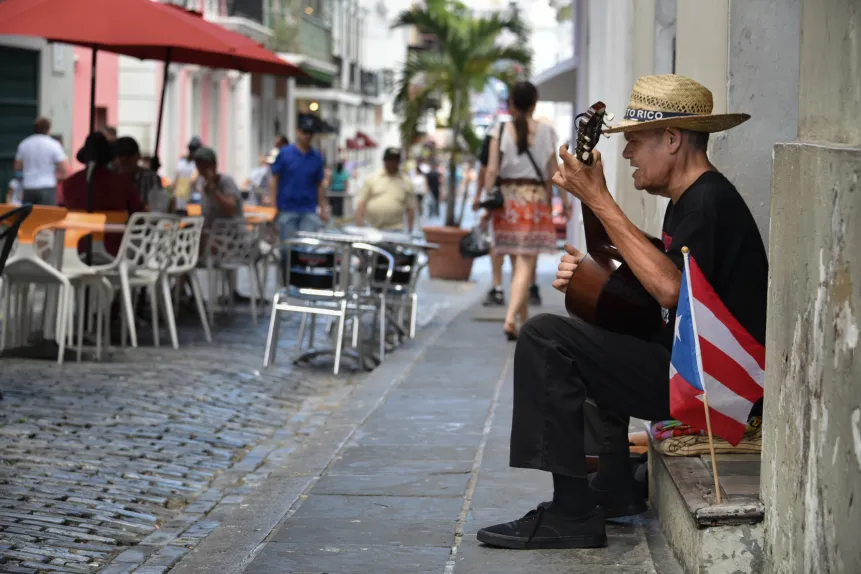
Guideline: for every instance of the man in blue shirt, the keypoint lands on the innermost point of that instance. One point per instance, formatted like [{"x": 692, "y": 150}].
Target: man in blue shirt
[{"x": 296, "y": 184}]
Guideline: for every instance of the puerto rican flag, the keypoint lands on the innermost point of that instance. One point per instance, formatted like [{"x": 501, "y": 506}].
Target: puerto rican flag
[{"x": 713, "y": 355}]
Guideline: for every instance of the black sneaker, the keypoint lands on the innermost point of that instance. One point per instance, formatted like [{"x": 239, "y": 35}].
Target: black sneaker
[
  {"x": 534, "y": 296},
  {"x": 624, "y": 501},
  {"x": 617, "y": 503},
  {"x": 494, "y": 297},
  {"x": 542, "y": 529}
]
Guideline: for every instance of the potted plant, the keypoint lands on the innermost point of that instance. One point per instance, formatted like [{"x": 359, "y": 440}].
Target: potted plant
[{"x": 465, "y": 55}]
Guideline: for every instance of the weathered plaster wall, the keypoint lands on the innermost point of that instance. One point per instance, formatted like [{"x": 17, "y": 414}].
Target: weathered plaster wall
[
  {"x": 762, "y": 80},
  {"x": 812, "y": 442},
  {"x": 811, "y": 472}
]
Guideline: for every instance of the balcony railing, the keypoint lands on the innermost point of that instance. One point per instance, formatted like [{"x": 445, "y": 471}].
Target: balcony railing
[{"x": 315, "y": 39}]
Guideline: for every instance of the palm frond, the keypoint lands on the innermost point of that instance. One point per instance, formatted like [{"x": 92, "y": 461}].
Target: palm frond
[
  {"x": 428, "y": 67},
  {"x": 432, "y": 20},
  {"x": 412, "y": 112}
]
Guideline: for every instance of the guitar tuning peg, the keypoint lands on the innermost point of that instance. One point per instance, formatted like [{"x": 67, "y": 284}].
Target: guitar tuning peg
[{"x": 609, "y": 116}]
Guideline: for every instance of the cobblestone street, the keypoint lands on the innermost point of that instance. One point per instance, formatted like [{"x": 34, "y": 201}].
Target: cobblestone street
[{"x": 114, "y": 466}]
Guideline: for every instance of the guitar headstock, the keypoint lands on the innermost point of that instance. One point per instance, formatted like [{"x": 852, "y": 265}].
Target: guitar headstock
[{"x": 589, "y": 127}]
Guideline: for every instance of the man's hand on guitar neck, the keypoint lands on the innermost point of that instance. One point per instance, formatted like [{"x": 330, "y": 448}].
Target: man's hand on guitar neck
[
  {"x": 585, "y": 182},
  {"x": 654, "y": 270},
  {"x": 567, "y": 267}
]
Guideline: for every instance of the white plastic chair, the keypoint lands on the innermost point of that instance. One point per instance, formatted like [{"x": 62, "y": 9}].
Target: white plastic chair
[
  {"x": 144, "y": 256},
  {"x": 186, "y": 252},
  {"x": 230, "y": 245},
  {"x": 26, "y": 268}
]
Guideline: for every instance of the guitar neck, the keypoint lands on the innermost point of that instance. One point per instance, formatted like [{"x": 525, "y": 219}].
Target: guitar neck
[{"x": 597, "y": 239}]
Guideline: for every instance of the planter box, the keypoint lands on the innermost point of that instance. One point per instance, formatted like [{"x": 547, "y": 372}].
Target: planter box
[{"x": 447, "y": 262}]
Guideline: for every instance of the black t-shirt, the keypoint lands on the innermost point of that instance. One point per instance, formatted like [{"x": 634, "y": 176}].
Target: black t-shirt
[{"x": 713, "y": 221}]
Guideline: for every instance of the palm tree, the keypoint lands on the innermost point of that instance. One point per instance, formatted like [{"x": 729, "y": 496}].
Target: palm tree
[{"x": 470, "y": 54}]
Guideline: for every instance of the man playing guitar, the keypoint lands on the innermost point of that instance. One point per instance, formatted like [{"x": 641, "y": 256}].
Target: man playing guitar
[{"x": 560, "y": 362}]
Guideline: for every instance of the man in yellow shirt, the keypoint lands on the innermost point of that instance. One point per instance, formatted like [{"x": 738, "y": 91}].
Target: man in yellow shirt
[{"x": 387, "y": 196}]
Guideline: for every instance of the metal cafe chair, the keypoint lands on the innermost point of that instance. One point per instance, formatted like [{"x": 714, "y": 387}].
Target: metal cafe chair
[{"x": 320, "y": 282}]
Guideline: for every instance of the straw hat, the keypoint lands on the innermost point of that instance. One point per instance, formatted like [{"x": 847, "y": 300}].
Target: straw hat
[{"x": 673, "y": 101}]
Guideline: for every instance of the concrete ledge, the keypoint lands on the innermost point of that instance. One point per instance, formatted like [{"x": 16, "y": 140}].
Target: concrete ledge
[{"x": 705, "y": 537}]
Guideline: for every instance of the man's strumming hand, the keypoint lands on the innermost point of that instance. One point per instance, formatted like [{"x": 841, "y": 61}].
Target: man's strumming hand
[{"x": 567, "y": 267}]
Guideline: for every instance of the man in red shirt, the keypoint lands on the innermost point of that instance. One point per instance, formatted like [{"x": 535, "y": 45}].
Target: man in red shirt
[{"x": 110, "y": 190}]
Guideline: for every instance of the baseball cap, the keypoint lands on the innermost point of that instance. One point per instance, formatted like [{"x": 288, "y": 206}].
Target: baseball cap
[
  {"x": 205, "y": 154},
  {"x": 392, "y": 153},
  {"x": 126, "y": 146},
  {"x": 194, "y": 144},
  {"x": 307, "y": 124}
]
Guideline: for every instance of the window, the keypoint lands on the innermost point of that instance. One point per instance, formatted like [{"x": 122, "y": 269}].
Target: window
[{"x": 314, "y": 8}]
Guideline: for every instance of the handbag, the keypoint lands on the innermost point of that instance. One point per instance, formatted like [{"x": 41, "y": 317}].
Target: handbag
[
  {"x": 475, "y": 244},
  {"x": 495, "y": 199}
]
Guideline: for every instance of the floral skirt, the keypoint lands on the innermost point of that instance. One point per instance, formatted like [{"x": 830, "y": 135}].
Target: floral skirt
[{"x": 524, "y": 226}]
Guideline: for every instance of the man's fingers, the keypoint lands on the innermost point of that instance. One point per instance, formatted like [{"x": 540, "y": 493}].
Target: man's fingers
[
  {"x": 560, "y": 285},
  {"x": 563, "y": 152},
  {"x": 573, "y": 251}
]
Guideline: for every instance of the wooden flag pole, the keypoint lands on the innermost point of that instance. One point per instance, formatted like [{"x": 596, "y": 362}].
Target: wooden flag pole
[
  {"x": 687, "y": 285},
  {"x": 712, "y": 447}
]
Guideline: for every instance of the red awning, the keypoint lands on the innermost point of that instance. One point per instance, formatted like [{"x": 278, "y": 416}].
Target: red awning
[
  {"x": 366, "y": 139},
  {"x": 141, "y": 29}
]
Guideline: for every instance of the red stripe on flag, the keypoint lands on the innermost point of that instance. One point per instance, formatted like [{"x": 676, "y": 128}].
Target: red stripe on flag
[
  {"x": 704, "y": 293},
  {"x": 726, "y": 371},
  {"x": 686, "y": 407},
  {"x": 728, "y": 429},
  {"x": 684, "y": 404}
]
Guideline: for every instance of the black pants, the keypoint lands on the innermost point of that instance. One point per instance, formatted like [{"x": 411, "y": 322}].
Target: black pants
[{"x": 560, "y": 362}]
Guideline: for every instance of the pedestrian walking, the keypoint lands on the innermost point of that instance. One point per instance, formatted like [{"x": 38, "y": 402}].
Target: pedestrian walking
[
  {"x": 387, "y": 198},
  {"x": 42, "y": 162},
  {"x": 297, "y": 185}
]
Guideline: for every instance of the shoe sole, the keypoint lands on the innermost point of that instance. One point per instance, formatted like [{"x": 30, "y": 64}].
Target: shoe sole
[
  {"x": 617, "y": 511},
  {"x": 516, "y": 543}
]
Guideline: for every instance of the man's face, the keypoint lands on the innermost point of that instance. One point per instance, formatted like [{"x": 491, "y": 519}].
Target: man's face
[
  {"x": 205, "y": 169},
  {"x": 392, "y": 165},
  {"x": 127, "y": 164},
  {"x": 649, "y": 153},
  {"x": 304, "y": 138}
]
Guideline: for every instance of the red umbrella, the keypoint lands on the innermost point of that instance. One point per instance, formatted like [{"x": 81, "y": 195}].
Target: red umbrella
[{"x": 142, "y": 29}]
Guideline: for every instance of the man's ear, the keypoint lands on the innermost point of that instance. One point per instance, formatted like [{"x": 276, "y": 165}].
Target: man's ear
[{"x": 674, "y": 139}]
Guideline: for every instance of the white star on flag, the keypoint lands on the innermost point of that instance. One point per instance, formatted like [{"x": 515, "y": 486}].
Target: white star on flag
[{"x": 678, "y": 321}]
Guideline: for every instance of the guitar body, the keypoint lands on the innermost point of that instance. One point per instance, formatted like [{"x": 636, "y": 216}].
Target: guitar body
[{"x": 603, "y": 290}]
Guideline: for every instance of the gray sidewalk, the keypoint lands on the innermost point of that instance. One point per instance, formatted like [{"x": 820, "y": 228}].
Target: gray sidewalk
[
  {"x": 403, "y": 474},
  {"x": 125, "y": 465}
]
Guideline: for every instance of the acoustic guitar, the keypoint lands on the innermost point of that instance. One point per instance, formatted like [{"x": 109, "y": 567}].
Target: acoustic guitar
[{"x": 603, "y": 290}]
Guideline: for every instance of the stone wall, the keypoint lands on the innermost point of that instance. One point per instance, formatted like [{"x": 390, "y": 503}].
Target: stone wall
[
  {"x": 746, "y": 53},
  {"x": 812, "y": 444}
]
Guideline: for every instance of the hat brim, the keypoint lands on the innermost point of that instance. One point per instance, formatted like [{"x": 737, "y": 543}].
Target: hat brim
[{"x": 709, "y": 124}]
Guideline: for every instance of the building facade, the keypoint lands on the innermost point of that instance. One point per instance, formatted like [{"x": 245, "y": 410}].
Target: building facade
[{"x": 36, "y": 79}]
